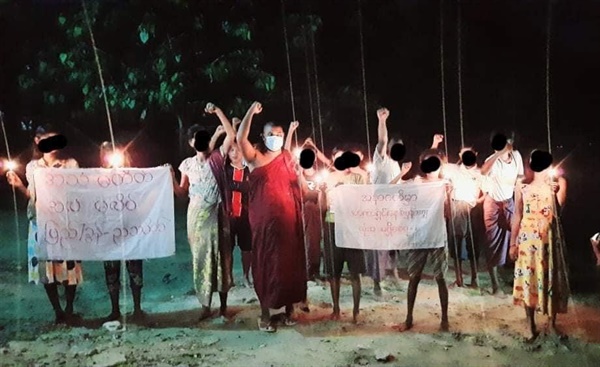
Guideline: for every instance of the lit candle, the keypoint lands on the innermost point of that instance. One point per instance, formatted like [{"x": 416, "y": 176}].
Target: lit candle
[
  {"x": 11, "y": 165},
  {"x": 116, "y": 160}
]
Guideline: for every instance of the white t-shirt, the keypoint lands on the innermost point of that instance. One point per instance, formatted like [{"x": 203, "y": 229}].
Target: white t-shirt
[
  {"x": 385, "y": 169},
  {"x": 465, "y": 181},
  {"x": 501, "y": 180}
]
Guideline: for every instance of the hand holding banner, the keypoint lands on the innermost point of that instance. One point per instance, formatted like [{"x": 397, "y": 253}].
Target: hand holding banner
[
  {"x": 390, "y": 217},
  {"x": 104, "y": 214}
]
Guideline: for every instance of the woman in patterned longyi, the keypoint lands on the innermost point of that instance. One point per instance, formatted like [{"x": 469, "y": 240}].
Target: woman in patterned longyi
[
  {"x": 199, "y": 182},
  {"x": 55, "y": 272}
]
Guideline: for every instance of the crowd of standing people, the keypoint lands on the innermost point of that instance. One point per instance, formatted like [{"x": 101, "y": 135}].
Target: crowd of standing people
[{"x": 276, "y": 207}]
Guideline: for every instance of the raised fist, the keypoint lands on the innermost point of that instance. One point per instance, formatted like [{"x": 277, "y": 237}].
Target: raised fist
[
  {"x": 294, "y": 125},
  {"x": 438, "y": 138},
  {"x": 256, "y": 108},
  {"x": 236, "y": 122},
  {"x": 309, "y": 142},
  {"x": 210, "y": 108},
  {"x": 383, "y": 113}
]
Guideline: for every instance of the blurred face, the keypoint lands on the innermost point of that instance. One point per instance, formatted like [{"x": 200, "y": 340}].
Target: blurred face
[
  {"x": 391, "y": 142},
  {"x": 235, "y": 155},
  {"x": 41, "y": 137}
]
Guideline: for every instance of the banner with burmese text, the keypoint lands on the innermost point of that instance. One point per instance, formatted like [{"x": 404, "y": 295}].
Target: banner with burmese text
[
  {"x": 104, "y": 214},
  {"x": 390, "y": 217}
]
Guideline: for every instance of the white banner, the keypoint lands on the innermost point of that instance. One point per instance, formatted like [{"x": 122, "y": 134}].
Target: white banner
[
  {"x": 390, "y": 217},
  {"x": 104, "y": 214}
]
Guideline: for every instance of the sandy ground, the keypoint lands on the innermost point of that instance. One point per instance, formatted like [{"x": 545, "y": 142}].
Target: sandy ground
[{"x": 485, "y": 330}]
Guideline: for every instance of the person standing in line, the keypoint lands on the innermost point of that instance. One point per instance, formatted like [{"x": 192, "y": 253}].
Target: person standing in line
[
  {"x": 466, "y": 180},
  {"x": 335, "y": 256},
  {"x": 385, "y": 169},
  {"x": 112, "y": 269},
  {"x": 417, "y": 258},
  {"x": 210, "y": 254},
  {"x": 537, "y": 244},
  {"x": 502, "y": 169},
  {"x": 275, "y": 212},
  {"x": 52, "y": 272}
]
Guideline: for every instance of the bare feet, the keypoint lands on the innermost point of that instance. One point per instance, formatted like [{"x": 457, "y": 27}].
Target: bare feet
[
  {"x": 531, "y": 338},
  {"x": 445, "y": 325},
  {"x": 355, "y": 314},
  {"x": 335, "y": 315},
  {"x": 406, "y": 325},
  {"x": 205, "y": 314},
  {"x": 138, "y": 316}
]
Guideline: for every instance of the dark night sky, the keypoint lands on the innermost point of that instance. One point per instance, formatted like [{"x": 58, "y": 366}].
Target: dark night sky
[{"x": 503, "y": 53}]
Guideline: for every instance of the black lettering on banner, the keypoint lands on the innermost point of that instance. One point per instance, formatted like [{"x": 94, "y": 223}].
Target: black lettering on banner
[
  {"x": 120, "y": 234},
  {"x": 117, "y": 179},
  {"x": 83, "y": 180},
  {"x": 57, "y": 206},
  {"x": 130, "y": 204},
  {"x": 71, "y": 180},
  {"x": 101, "y": 206},
  {"x": 104, "y": 181},
  {"x": 127, "y": 178}
]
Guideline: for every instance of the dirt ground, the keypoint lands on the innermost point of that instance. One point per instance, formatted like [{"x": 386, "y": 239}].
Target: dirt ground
[{"x": 485, "y": 330}]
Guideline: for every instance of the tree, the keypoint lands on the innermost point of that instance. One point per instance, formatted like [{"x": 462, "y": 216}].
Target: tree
[{"x": 156, "y": 57}]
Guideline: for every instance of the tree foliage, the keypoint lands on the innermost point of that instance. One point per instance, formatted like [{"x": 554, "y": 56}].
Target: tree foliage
[{"x": 155, "y": 56}]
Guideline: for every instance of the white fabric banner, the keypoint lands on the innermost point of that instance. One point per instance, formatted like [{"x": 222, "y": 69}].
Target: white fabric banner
[
  {"x": 104, "y": 214},
  {"x": 390, "y": 217}
]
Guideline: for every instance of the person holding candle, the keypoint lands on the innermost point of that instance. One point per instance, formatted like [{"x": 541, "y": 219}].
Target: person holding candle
[
  {"x": 537, "y": 246},
  {"x": 47, "y": 146}
]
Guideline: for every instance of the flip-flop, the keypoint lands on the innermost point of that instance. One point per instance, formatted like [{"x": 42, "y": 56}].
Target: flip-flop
[
  {"x": 265, "y": 326},
  {"x": 288, "y": 321}
]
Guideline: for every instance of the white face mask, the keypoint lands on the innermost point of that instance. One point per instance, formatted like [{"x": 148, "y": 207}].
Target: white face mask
[{"x": 274, "y": 143}]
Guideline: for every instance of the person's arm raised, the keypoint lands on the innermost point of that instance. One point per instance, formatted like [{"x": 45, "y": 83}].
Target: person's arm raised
[
  {"x": 290, "y": 134},
  {"x": 437, "y": 140},
  {"x": 488, "y": 164},
  {"x": 215, "y": 137},
  {"x": 248, "y": 151},
  {"x": 227, "y": 127},
  {"x": 382, "y": 132},
  {"x": 320, "y": 156}
]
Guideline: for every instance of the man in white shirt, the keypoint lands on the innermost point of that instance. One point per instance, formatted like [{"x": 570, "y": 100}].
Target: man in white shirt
[
  {"x": 466, "y": 194},
  {"x": 385, "y": 169},
  {"x": 502, "y": 169}
]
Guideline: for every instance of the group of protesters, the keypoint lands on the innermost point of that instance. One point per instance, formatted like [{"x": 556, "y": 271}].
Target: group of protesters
[{"x": 276, "y": 206}]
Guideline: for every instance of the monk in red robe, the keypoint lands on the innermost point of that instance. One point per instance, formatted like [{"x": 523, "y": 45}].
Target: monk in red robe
[{"x": 275, "y": 213}]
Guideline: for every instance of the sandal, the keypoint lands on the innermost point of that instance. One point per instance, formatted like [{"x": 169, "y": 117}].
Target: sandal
[
  {"x": 288, "y": 321},
  {"x": 265, "y": 326}
]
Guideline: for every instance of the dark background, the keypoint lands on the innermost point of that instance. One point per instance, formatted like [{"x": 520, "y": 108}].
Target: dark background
[{"x": 503, "y": 84}]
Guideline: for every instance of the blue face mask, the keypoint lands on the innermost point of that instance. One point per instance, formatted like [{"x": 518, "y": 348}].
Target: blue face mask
[{"x": 274, "y": 143}]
